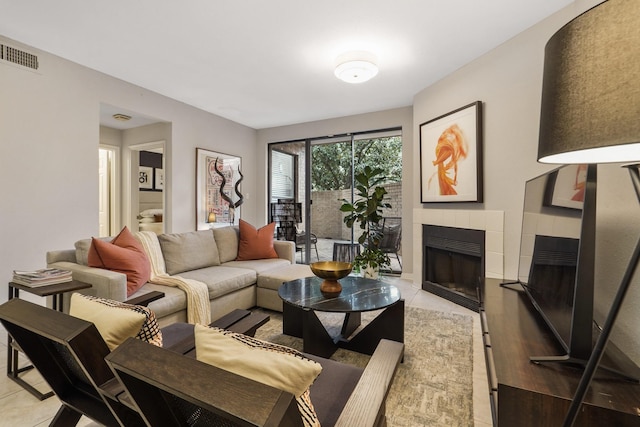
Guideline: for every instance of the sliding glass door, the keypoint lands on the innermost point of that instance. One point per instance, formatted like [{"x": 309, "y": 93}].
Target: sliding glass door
[{"x": 309, "y": 179}]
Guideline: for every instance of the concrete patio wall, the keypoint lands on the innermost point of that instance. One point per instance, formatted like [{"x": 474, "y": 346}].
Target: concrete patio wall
[{"x": 326, "y": 218}]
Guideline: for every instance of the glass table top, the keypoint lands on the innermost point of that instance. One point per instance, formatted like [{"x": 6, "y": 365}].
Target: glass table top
[{"x": 358, "y": 295}]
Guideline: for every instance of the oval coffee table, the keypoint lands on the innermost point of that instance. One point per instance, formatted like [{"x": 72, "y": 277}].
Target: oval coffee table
[{"x": 302, "y": 298}]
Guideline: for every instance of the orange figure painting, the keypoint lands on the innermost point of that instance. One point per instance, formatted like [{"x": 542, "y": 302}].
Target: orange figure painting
[
  {"x": 580, "y": 183},
  {"x": 451, "y": 148}
]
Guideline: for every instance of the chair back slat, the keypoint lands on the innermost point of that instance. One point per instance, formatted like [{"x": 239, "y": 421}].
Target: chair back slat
[{"x": 193, "y": 390}]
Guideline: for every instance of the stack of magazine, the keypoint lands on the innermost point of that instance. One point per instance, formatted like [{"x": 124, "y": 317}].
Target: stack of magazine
[{"x": 43, "y": 277}]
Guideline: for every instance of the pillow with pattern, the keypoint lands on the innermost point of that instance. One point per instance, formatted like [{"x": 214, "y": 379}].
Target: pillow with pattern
[
  {"x": 278, "y": 366},
  {"x": 116, "y": 321}
]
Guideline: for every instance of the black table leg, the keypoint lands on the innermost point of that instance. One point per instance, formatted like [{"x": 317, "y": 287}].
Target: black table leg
[
  {"x": 389, "y": 324},
  {"x": 351, "y": 323},
  {"x": 315, "y": 338}
]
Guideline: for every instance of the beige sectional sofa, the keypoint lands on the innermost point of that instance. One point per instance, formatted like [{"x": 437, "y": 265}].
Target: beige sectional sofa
[{"x": 207, "y": 256}]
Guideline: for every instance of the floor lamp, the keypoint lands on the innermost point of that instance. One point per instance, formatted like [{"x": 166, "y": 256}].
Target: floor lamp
[{"x": 590, "y": 113}]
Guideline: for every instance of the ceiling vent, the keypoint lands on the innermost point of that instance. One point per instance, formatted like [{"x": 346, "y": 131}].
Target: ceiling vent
[{"x": 17, "y": 56}]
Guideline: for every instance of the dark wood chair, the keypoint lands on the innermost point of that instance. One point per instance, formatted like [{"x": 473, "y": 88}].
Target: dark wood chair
[
  {"x": 198, "y": 394},
  {"x": 69, "y": 353}
]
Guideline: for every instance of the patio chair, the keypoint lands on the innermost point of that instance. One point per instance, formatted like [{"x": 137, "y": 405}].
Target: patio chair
[
  {"x": 391, "y": 236},
  {"x": 196, "y": 393},
  {"x": 301, "y": 241}
]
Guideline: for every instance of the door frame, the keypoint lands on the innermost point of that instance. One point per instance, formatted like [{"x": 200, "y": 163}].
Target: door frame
[{"x": 114, "y": 186}]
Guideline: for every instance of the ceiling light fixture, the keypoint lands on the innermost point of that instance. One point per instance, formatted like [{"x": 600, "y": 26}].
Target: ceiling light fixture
[
  {"x": 356, "y": 67},
  {"x": 121, "y": 117}
]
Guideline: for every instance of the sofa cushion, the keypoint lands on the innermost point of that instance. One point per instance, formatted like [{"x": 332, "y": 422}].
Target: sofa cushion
[
  {"x": 227, "y": 239},
  {"x": 256, "y": 243},
  {"x": 280, "y": 367},
  {"x": 188, "y": 251},
  {"x": 274, "y": 278},
  {"x": 260, "y": 266},
  {"x": 222, "y": 280},
  {"x": 123, "y": 254},
  {"x": 174, "y": 300},
  {"x": 82, "y": 249},
  {"x": 116, "y": 321}
]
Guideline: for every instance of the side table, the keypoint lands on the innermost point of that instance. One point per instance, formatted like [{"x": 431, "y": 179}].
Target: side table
[
  {"x": 56, "y": 291},
  {"x": 302, "y": 298}
]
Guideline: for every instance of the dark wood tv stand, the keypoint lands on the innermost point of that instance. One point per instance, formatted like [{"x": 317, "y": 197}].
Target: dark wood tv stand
[{"x": 528, "y": 394}]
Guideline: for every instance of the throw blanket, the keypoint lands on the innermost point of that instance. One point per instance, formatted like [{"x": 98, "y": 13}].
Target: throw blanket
[{"x": 198, "y": 306}]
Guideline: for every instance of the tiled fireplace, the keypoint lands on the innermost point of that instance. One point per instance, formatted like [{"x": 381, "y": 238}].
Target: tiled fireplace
[{"x": 457, "y": 248}]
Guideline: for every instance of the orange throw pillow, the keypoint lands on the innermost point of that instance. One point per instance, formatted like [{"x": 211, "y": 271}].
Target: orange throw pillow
[
  {"x": 123, "y": 254},
  {"x": 256, "y": 244}
]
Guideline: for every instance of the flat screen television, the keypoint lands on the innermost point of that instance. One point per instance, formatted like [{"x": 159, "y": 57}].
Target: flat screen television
[{"x": 557, "y": 256}]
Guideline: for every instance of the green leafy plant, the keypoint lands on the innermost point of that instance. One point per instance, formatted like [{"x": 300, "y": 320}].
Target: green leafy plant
[{"x": 366, "y": 212}]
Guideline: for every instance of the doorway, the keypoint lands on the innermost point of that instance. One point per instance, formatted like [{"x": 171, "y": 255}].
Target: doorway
[
  {"x": 145, "y": 198},
  {"x": 108, "y": 190},
  {"x": 123, "y": 136},
  {"x": 318, "y": 174}
]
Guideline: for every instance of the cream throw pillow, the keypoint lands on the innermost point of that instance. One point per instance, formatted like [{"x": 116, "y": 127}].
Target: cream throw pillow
[
  {"x": 115, "y": 324},
  {"x": 275, "y": 365}
]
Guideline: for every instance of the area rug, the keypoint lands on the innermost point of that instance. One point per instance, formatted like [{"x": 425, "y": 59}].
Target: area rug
[{"x": 434, "y": 384}]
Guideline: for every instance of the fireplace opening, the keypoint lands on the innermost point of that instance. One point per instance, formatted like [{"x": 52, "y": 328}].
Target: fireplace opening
[{"x": 453, "y": 263}]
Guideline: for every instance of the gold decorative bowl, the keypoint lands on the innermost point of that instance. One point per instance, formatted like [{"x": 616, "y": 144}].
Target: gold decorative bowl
[{"x": 331, "y": 272}]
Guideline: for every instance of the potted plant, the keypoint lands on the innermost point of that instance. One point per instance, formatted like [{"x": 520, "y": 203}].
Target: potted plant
[{"x": 366, "y": 211}]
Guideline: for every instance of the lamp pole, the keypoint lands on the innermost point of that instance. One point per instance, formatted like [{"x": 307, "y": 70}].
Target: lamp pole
[{"x": 603, "y": 339}]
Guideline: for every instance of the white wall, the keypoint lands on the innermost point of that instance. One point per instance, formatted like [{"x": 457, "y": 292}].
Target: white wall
[
  {"x": 49, "y": 136},
  {"x": 400, "y": 117},
  {"x": 508, "y": 80}
]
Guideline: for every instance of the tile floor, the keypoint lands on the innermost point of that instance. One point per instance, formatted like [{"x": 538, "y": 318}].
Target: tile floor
[{"x": 18, "y": 408}]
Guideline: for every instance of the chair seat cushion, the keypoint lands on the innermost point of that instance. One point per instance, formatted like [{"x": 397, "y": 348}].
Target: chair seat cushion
[
  {"x": 175, "y": 333},
  {"x": 332, "y": 389}
]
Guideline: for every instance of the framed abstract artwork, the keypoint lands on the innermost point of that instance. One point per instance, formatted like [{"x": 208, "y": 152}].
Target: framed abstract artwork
[
  {"x": 451, "y": 156},
  {"x": 218, "y": 197},
  {"x": 145, "y": 178}
]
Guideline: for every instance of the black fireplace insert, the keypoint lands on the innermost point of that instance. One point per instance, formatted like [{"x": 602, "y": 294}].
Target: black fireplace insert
[{"x": 453, "y": 263}]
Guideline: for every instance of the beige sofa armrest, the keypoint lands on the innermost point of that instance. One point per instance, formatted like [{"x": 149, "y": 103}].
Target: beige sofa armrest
[
  {"x": 104, "y": 283},
  {"x": 285, "y": 250},
  {"x": 68, "y": 255}
]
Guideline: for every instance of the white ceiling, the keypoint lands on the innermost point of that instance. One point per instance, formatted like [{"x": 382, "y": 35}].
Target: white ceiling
[{"x": 266, "y": 63}]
